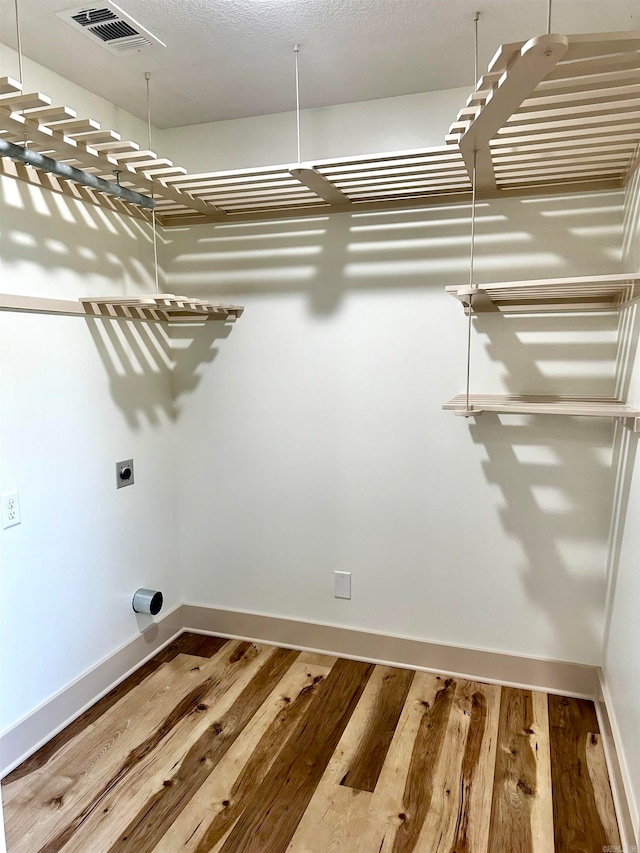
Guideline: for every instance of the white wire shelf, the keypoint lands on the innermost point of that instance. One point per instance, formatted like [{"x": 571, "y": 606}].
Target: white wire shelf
[
  {"x": 555, "y": 114},
  {"x": 160, "y": 308},
  {"x": 552, "y": 295},
  {"x": 556, "y": 110},
  {"x": 526, "y": 404}
]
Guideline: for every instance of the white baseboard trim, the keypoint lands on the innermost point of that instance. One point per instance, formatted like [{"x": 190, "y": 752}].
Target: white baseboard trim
[
  {"x": 30, "y": 733},
  {"x": 570, "y": 679},
  {"x": 33, "y": 731},
  {"x": 628, "y": 818}
]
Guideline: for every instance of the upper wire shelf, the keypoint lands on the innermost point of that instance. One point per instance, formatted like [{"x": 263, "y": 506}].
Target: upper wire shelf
[{"x": 555, "y": 114}]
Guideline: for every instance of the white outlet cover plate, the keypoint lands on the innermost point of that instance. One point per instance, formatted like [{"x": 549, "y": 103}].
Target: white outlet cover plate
[
  {"x": 342, "y": 584},
  {"x": 129, "y": 481},
  {"x": 10, "y": 510}
]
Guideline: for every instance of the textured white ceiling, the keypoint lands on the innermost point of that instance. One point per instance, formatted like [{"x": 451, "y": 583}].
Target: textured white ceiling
[{"x": 232, "y": 58}]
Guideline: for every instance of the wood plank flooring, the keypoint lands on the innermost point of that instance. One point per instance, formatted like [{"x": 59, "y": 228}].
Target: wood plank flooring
[{"x": 236, "y": 747}]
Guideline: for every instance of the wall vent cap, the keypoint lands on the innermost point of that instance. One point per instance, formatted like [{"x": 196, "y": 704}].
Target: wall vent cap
[{"x": 111, "y": 27}]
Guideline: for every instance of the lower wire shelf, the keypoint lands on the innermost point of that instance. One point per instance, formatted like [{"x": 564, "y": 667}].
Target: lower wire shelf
[
  {"x": 551, "y": 295},
  {"x": 156, "y": 308},
  {"x": 529, "y": 404}
]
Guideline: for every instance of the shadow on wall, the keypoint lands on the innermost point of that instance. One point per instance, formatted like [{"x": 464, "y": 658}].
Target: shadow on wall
[
  {"x": 555, "y": 486},
  {"x": 534, "y": 349},
  {"x": 563, "y": 354},
  {"x": 136, "y": 357},
  {"x": 140, "y": 359},
  {"x": 625, "y": 449},
  {"x": 327, "y": 256},
  {"x": 191, "y": 347},
  {"x": 628, "y": 337},
  {"x": 548, "y": 353},
  {"x": 554, "y": 474},
  {"x": 587, "y": 463},
  {"x": 87, "y": 251},
  {"x": 80, "y": 246}
]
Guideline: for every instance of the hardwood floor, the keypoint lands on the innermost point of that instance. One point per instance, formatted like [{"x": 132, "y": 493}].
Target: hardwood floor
[{"x": 235, "y": 747}]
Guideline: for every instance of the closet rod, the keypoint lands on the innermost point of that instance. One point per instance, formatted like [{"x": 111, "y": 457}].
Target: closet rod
[{"x": 70, "y": 173}]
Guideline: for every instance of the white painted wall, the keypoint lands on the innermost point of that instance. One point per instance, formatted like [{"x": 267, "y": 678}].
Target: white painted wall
[
  {"x": 37, "y": 78},
  {"x": 621, "y": 659},
  {"x": 315, "y": 439},
  {"x": 75, "y": 397},
  {"x": 369, "y": 127}
]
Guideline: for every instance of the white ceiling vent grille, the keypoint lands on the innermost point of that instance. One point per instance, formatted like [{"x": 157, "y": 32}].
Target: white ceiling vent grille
[{"x": 110, "y": 27}]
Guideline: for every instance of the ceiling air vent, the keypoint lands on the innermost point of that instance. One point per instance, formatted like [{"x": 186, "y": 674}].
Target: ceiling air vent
[{"x": 111, "y": 27}]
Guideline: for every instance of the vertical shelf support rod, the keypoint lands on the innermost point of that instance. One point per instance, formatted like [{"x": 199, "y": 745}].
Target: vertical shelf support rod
[
  {"x": 296, "y": 50},
  {"x": 19, "y": 45},
  {"x": 147, "y": 77},
  {"x": 471, "y": 276},
  {"x": 476, "y": 18}
]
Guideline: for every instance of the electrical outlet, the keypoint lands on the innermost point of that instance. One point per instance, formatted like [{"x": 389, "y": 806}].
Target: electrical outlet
[
  {"x": 124, "y": 473},
  {"x": 342, "y": 584},
  {"x": 10, "y": 510}
]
